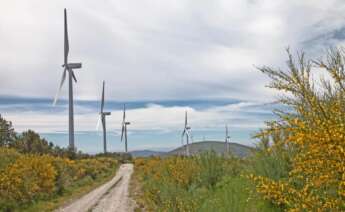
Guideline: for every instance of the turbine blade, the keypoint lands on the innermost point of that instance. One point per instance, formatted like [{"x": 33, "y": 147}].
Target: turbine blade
[
  {"x": 124, "y": 112},
  {"x": 102, "y": 101},
  {"x": 75, "y": 79},
  {"x": 98, "y": 123},
  {"x": 103, "y": 123},
  {"x": 60, "y": 87},
  {"x": 66, "y": 43},
  {"x": 184, "y": 132}
]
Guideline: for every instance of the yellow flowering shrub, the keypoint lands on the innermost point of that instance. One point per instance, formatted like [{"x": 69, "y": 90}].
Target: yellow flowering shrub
[
  {"x": 182, "y": 171},
  {"x": 27, "y": 177},
  {"x": 314, "y": 127}
]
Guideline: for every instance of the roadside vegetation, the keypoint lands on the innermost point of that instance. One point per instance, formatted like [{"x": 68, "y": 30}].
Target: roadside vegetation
[
  {"x": 35, "y": 175},
  {"x": 205, "y": 182},
  {"x": 298, "y": 165}
]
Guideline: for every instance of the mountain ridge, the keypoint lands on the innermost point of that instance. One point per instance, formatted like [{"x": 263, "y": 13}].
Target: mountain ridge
[{"x": 219, "y": 147}]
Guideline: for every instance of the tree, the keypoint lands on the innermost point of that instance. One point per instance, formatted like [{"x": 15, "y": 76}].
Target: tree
[
  {"x": 31, "y": 142},
  {"x": 7, "y": 133}
]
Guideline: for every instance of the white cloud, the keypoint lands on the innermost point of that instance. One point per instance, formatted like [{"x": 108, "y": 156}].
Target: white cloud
[
  {"x": 158, "y": 49},
  {"x": 244, "y": 115}
]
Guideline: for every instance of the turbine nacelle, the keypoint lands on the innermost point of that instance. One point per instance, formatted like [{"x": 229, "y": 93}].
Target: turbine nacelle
[
  {"x": 105, "y": 113},
  {"x": 72, "y": 65},
  {"x": 127, "y": 123}
]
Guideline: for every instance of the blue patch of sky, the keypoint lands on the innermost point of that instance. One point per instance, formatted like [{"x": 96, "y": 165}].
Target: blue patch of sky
[
  {"x": 91, "y": 141},
  {"x": 45, "y": 104}
]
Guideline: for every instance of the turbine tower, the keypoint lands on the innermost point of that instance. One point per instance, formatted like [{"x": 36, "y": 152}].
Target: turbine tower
[
  {"x": 186, "y": 132},
  {"x": 227, "y": 139},
  {"x": 68, "y": 67},
  {"x": 102, "y": 116},
  {"x": 124, "y": 127}
]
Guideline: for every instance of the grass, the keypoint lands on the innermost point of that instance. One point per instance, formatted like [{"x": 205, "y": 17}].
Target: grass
[
  {"x": 71, "y": 193},
  {"x": 233, "y": 194}
]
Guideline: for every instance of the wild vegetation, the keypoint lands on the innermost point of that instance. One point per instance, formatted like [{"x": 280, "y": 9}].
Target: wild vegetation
[
  {"x": 33, "y": 170},
  {"x": 205, "y": 182},
  {"x": 313, "y": 131},
  {"x": 299, "y": 164}
]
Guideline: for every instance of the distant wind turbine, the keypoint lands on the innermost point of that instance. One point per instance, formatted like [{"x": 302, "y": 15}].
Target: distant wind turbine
[
  {"x": 68, "y": 67},
  {"x": 227, "y": 139},
  {"x": 187, "y": 132},
  {"x": 124, "y": 127},
  {"x": 102, "y": 116}
]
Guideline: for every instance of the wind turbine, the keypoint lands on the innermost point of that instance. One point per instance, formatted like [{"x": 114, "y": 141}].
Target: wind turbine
[
  {"x": 68, "y": 67},
  {"x": 102, "y": 116},
  {"x": 186, "y": 132},
  {"x": 124, "y": 127},
  {"x": 227, "y": 139}
]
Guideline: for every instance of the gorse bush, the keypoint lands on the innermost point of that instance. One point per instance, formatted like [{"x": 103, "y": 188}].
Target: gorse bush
[
  {"x": 313, "y": 129},
  {"x": 33, "y": 169},
  {"x": 25, "y": 178}
]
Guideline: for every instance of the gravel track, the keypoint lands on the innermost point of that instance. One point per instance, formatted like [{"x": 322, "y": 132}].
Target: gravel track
[{"x": 110, "y": 197}]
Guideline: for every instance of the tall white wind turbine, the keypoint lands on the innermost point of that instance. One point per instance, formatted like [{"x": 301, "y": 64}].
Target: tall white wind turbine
[
  {"x": 187, "y": 131},
  {"x": 68, "y": 67},
  {"x": 102, "y": 116},
  {"x": 124, "y": 128}
]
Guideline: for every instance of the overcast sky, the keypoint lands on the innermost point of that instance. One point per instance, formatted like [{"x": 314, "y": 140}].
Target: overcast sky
[{"x": 159, "y": 49}]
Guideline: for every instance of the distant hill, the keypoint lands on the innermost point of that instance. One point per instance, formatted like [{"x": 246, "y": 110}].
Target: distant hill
[
  {"x": 146, "y": 153},
  {"x": 217, "y": 146}
]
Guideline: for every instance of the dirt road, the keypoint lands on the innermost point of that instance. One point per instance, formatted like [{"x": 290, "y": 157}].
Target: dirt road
[{"x": 110, "y": 197}]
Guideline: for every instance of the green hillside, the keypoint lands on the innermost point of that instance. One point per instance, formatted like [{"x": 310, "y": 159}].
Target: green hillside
[{"x": 216, "y": 146}]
